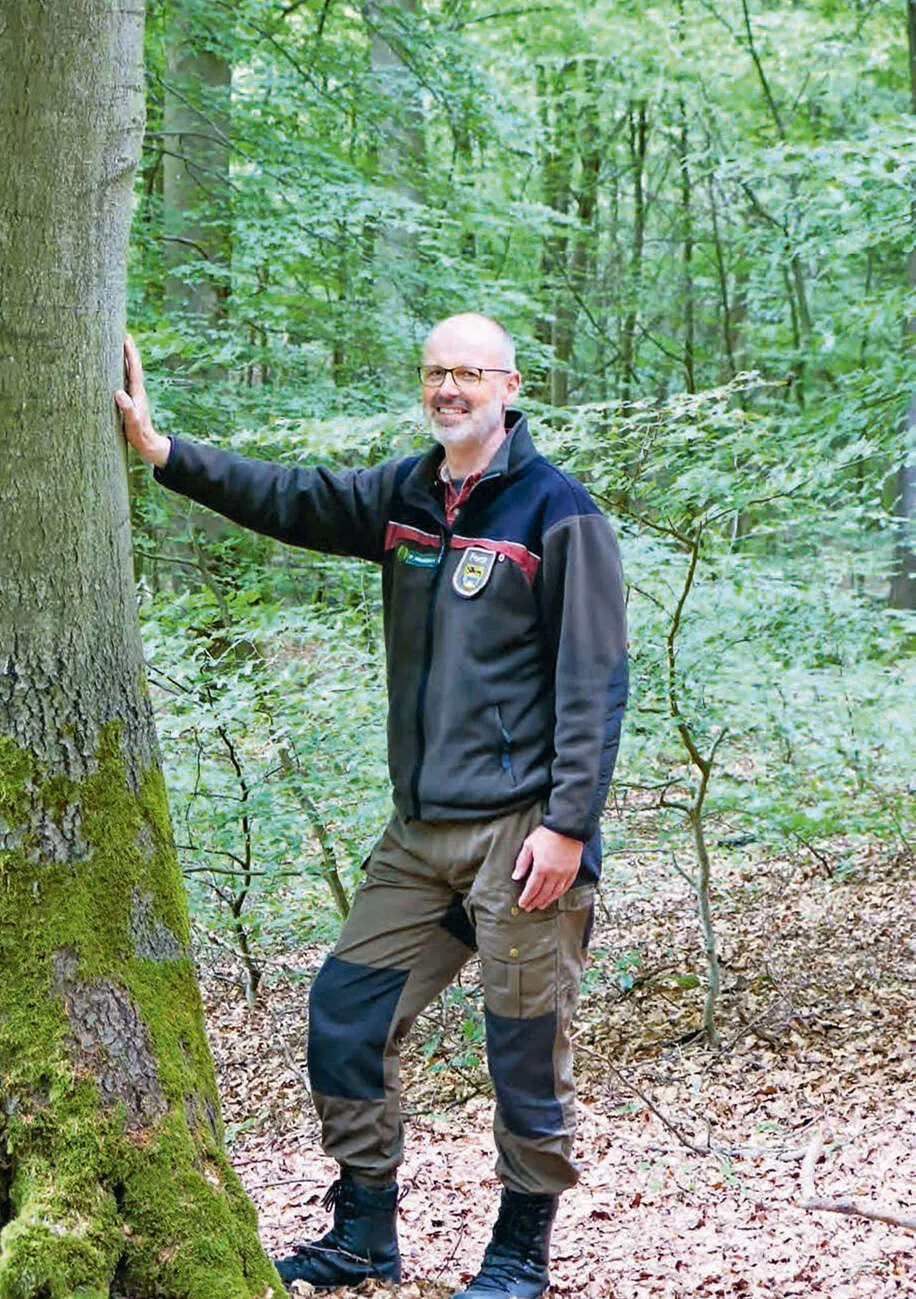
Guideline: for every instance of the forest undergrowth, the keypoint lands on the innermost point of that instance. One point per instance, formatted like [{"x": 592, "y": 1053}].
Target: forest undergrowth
[{"x": 693, "y": 1160}]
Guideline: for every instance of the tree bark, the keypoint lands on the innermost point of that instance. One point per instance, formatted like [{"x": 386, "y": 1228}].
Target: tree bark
[
  {"x": 638, "y": 141},
  {"x": 114, "y": 1176},
  {"x": 903, "y": 575},
  {"x": 197, "y": 221},
  {"x": 687, "y": 246},
  {"x": 401, "y": 158},
  {"x": 554, "y": 327},
  {"x": 584, "y": 244},
  {"x": 722, "y": 278}
]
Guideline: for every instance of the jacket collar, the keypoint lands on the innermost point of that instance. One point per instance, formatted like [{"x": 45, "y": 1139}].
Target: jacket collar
[{"x": 514, "y": 452}]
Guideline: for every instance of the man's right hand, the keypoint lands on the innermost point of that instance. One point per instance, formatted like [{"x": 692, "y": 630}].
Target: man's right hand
[{"x": 138, "y": 427}]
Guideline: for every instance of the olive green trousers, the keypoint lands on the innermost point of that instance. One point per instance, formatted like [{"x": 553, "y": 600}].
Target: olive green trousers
[{"x": 433, "y": 894}]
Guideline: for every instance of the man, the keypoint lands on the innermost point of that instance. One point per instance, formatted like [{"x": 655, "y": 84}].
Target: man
[{"x": 507, "y": 680}]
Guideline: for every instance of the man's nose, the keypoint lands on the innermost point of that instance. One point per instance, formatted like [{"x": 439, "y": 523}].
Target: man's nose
[{"x": 449, "y": 385}]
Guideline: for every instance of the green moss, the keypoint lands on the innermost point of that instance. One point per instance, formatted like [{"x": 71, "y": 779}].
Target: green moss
[
  {"x": 55, "y": 1246},
  {"x": 180, "y": 1222}
]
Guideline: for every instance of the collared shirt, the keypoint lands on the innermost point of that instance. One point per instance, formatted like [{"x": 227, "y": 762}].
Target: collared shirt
[{"x": 457, "y": 493}]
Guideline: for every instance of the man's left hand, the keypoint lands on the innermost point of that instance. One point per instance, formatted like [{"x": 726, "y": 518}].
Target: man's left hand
[{"x": 553, "y": 862}]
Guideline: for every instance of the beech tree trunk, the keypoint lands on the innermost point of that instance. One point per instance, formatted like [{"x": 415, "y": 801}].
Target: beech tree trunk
[
  {"x": 400, "y": 292},
  {"x": 195, "y": 173},
  {"x": 638, "y": 142},
  {"x": 113, "y": 1175},
  {"x": 554, "y": 329},
  {"x": 903, "y": 573}
]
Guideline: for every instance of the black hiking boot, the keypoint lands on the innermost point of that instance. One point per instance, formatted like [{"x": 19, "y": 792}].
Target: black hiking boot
[
  {"x": 515, "y": 1261},
  {"x": 362, "y": 1243}
]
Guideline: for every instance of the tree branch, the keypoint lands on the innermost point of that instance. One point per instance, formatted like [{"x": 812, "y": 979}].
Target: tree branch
[{"x": 852, "y": 1208}]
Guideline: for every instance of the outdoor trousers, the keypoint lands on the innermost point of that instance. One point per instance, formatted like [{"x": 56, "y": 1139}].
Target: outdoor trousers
[{"x": 434, "y": 893}]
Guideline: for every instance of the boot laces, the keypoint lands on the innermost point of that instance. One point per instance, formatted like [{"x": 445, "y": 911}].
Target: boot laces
[
  {"x": 517, "y": 1246},
  {"x": 335, "y": 1199},
  {"x": 332, "y": 1195},
  {"x": 339, "y": 1199}
]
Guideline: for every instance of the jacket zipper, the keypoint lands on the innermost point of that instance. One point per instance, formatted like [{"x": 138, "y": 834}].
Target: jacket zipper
[
  {"x": 506, "y": 752},
  {"x": 446, "y": 535},
  {"x": 427, "y": 668}
]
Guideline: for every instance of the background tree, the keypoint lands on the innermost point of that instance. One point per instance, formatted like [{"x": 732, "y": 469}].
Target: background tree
[
  {"x": 903, "y": 576},
  {"x": 113, "y": 1176}
]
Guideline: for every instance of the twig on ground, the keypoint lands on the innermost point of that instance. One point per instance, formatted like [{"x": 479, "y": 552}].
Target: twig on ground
[
  {"x": 280, "y": 1045},
  {"x": 853, "y": 1208},
  {"x": 287, "y": 1181},
  {"x": 647, "y": 1101},
  {"x": 711, "y": 1147},
  {"x": 454, "y": 1249},
  {"x": 753, "y": 1026}
]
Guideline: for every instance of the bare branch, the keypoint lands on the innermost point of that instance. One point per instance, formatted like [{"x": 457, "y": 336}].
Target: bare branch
[{"x": 852, "y": 1208}]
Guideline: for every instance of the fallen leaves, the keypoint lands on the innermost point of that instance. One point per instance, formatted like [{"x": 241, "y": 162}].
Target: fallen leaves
[{"x": 819, "y": 1015}]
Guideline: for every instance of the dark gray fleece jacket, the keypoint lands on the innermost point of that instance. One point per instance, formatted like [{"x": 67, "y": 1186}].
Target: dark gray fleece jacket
[{"x": 505, "y": 633}]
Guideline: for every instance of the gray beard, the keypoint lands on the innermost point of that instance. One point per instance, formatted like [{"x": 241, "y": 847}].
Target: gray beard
[{"x": 477, "y": 426}]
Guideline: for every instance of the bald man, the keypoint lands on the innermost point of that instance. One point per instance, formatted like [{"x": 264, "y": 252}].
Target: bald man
[{"x": 507, "y": 681}]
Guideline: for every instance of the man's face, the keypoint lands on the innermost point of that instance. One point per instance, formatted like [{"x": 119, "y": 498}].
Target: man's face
[{"x": 468, "y": 412}]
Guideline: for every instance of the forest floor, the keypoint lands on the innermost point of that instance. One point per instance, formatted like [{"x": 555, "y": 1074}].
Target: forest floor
[{"x": 818, "y": 1023}]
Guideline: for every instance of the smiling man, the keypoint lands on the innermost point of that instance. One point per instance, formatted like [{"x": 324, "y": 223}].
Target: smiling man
[{"x": 507, "y": 681}]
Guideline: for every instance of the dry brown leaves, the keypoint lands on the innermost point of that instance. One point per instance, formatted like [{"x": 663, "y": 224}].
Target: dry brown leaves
[{"x": 817, "y": 1015}]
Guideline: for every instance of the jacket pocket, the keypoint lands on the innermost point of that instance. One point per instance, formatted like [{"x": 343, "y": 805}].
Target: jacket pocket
[{"x": 505, "y": 746}]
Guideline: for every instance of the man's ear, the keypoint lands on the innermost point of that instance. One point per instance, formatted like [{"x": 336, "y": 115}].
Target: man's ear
[{"x": 513, "y": 384}]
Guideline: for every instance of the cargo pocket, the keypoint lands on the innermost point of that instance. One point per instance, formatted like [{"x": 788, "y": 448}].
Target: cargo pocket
[
  {"x": 575, "y": 916},
  {"x": 518, "y": 958}
]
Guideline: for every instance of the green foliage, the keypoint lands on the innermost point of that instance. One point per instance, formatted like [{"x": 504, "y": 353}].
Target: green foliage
[
  {"x": 704, "y": 262},
  {"x": 271, "y": 717}
]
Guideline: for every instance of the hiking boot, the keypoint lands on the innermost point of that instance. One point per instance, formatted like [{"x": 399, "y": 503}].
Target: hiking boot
[
  {"x": 362, "y": 1243},
  {"x": 515, "y": 1261}
]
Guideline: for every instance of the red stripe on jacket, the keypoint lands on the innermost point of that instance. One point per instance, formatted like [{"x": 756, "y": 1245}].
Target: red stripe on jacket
[
  {"x": 528, "y": 562},
  {"x": 397, "y": 532},
  {"x": 514, "y": 550}
]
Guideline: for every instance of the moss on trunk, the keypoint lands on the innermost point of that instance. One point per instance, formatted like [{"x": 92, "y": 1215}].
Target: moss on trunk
[{"x": 110, "y": 1138}]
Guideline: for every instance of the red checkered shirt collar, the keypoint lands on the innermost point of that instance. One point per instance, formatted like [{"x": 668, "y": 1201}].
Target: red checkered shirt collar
[{"x": 455, "y": 497}]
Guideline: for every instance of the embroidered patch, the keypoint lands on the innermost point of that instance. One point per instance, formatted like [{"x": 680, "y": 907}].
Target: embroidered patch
[
  {"x": 418, "y": 558},
  {"x": 473, "y": 573}
]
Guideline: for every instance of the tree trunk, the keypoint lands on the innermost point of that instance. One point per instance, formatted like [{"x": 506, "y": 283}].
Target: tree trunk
[
  {"x": 195, "y": 191},
  {"x": 400, "y": 292},
  {"x": 554, "y": 328},
  {"x": 584, "y": 244},
  {"x": 903, "y": 576},
  {"x": 638, "y": 140},
  {"x": 722, "y": 277},
  {"x": 687, "y": 246},
  {"x": 113, "y": 1176}
]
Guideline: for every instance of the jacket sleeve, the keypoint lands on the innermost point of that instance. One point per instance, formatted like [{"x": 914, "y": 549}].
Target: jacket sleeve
[
  {"x": 341, "y": 513},
  {"x": 585, "y": 618}
]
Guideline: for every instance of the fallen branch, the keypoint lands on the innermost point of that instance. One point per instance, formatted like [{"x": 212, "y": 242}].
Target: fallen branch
[
  {"x": 650, "y": 1104},
  {"x": 853, "y": 1208},
  {"x": 711, "y": 1147}
]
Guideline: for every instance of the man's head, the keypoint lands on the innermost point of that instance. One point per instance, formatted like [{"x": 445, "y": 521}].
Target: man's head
[{"x": 465, "y": 411}]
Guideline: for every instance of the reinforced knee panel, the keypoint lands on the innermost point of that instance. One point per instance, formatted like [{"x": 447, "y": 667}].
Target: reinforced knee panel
[
  {"x": 351, "y": 1008},
  {"x": 520, "y": 1058}
]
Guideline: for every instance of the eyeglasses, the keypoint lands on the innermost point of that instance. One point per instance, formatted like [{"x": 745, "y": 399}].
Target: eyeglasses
[{"x": 465, "y": 376}]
